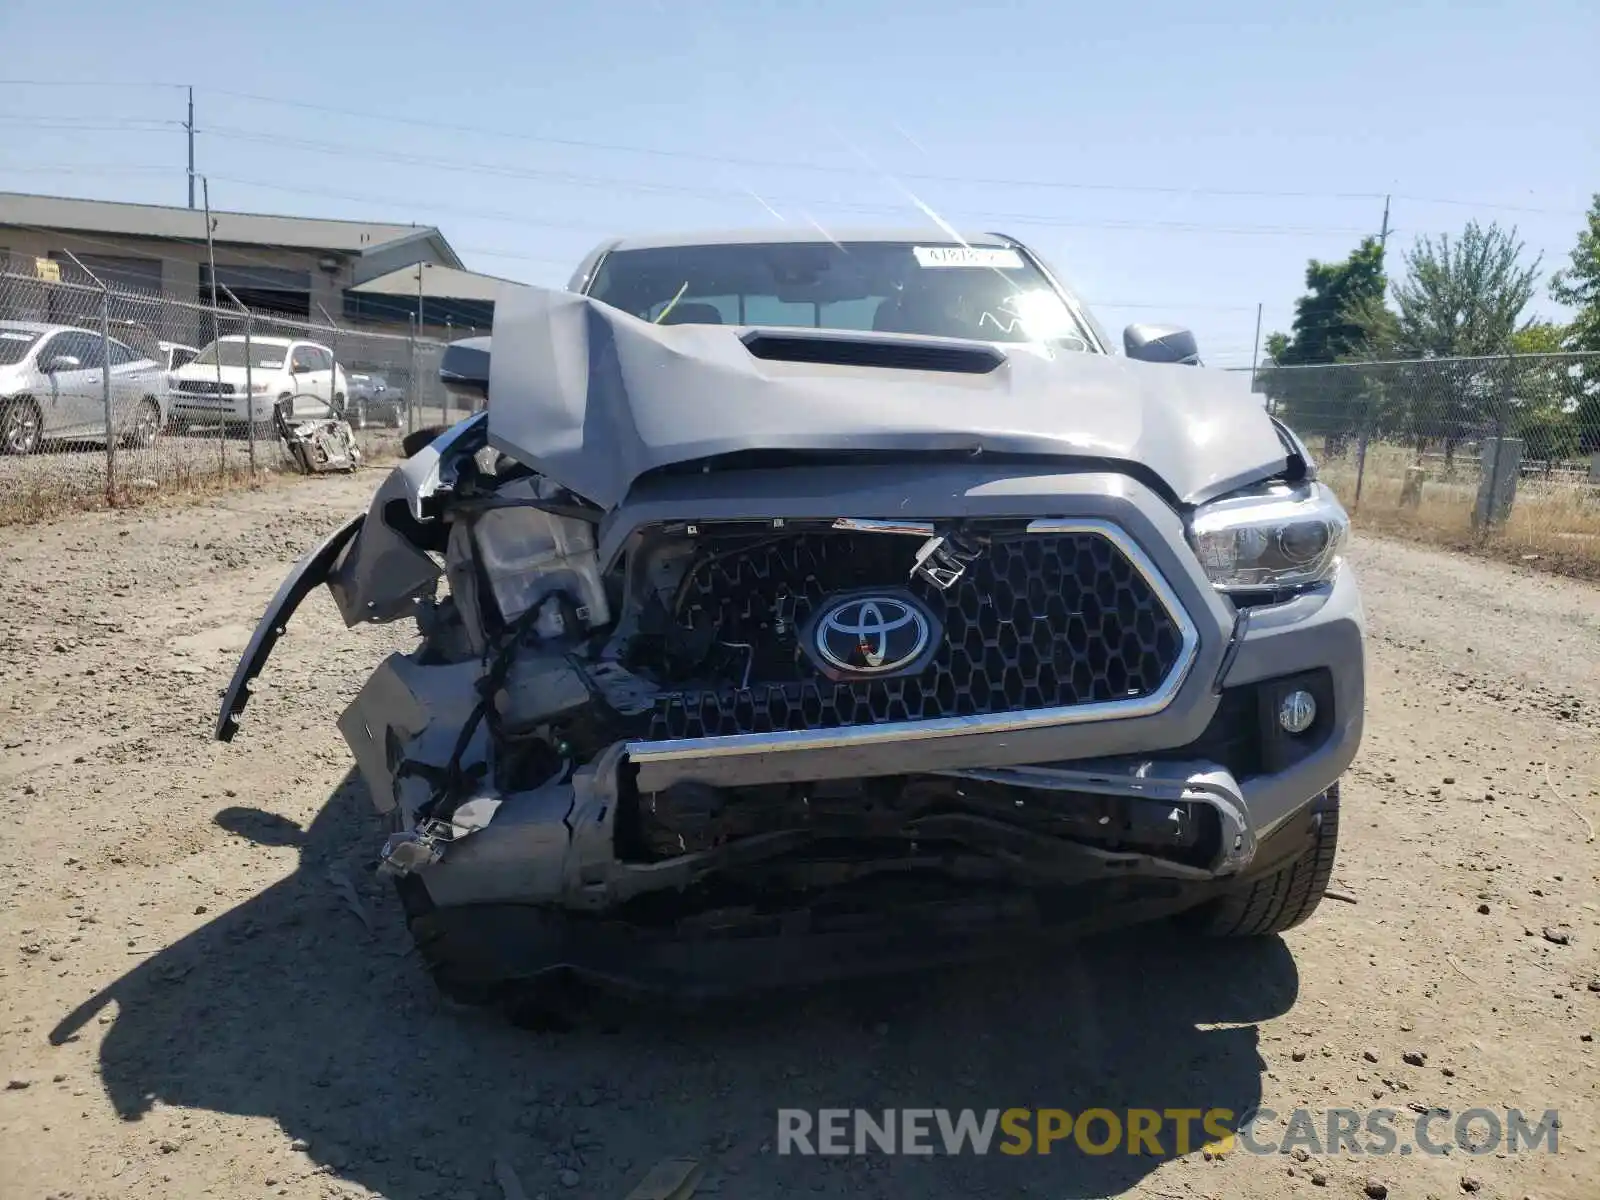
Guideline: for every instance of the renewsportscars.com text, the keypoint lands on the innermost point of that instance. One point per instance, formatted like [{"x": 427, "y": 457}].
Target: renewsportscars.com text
[{"x": 1162, "y": 1132}]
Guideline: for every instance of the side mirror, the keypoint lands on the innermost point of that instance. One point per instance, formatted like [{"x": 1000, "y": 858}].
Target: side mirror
[
  {"x": 1161, "y": 344},
  {"x": 62, "y": 362}
]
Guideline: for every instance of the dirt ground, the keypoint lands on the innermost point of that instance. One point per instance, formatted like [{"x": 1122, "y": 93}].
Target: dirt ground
[{"x": 242, "y": 1018}]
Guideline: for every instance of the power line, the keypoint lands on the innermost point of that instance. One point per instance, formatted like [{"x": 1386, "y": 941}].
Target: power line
[
  {"x": 644, "y": 186},
  {"x": 92, "y": 124},
  {"x": 765, "y": 163},
  {"x": 512, "y": 218},
  {"x": 832, "y": 168},
  {"x": 825, "y": 168},
  {"x": 1550, "y": 212},
  {"x": 613, "y": 184},
  {"x": 112, "y": 83},
  {"x": 82, "y": 169}
]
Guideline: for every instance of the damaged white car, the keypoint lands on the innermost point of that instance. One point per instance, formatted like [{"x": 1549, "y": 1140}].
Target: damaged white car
[
  {"x": 317, "y": 439},
  {"x": 808, "y": 606}
]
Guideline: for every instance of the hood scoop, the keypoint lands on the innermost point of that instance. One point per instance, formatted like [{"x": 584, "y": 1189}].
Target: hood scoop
[{"x": 832, "y": 348}]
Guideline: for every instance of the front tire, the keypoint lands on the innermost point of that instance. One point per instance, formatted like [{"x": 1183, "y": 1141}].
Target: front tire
[
  {"x": 146, "y": 426},
  {"x": 21, "y": 426},
  {"x": 1273, "y": 903}
]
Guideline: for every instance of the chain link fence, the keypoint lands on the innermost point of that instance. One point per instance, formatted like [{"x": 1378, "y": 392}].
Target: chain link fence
[
  {"x": 1453, "y": 450},
  {"x": 1459, "y": 450},
  {"x": 110, "y": 393}
]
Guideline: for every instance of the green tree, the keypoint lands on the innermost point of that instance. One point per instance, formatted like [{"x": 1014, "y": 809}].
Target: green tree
[
  {"x": 1326, "y": 330},
  {"x": 1579, "y": 285},
  {"x": 1466, "y": 296},
  {"x": 1463, "y": 299},
  {"x": 1545, "y": 392},
  {"x": 1540, "y": 337}
]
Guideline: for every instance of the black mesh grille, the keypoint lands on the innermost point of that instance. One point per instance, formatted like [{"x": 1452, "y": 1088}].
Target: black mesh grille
[{"x": 1038, "y": 621}]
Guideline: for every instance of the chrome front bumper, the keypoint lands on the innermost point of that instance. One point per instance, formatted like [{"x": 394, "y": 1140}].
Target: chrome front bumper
[{"x": 1173, "y": 782}]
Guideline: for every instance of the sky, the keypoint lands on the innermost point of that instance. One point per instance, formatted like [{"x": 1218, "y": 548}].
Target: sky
[{"x": 1175, "y": 161}]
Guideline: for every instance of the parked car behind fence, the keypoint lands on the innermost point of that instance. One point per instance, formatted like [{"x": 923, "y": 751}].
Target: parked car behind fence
[{"x": 52, "y": 386}]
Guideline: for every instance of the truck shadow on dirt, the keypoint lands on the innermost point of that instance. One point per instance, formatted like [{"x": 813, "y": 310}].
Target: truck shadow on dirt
[{"x": 305, "y": 1005}]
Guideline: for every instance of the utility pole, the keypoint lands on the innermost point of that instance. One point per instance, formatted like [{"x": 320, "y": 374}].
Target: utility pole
[
  {"x": 1255, "y": 354},
  {"x": 216, "y": 327},
  {"x": 189, "y": 125},
  {"x": 211, "y": 251},
  {"x": 1383, "y": 237}
]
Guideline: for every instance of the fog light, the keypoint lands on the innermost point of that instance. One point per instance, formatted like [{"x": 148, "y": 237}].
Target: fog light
[{"x": 1296, "y": 711}]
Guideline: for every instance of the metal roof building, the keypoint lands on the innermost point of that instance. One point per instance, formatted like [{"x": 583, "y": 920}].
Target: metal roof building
[
  {"x": 310, "y": 268},
  {"x": 445, "y": 295}
]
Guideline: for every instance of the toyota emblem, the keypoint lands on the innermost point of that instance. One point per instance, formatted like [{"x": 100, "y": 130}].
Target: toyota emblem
[{"x": 870, "y": 635}]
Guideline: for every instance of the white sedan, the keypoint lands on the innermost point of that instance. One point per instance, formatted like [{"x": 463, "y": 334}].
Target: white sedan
[{"x": 52, "y": 385}]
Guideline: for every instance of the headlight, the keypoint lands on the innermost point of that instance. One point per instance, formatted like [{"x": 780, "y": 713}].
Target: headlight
[{"x": 1269, "y": 538}]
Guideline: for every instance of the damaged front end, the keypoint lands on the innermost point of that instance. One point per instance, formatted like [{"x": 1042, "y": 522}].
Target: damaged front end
[
  {"x": 317, "y": 443},
  {"x": 759, "y": 727},
  {"x": 819, "y": 728}
]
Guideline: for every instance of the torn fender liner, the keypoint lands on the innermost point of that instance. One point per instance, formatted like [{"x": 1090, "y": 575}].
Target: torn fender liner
[{"x": 308, "y": 574}]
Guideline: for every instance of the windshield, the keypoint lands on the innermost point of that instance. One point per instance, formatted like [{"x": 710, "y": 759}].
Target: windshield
[
  {"x": 14, "y": 345},
  {"x": 262, "y": 358},
  {"x": 989, "y": 293}
]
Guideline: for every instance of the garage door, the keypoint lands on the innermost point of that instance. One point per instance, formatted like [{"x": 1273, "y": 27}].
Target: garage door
[
  {"x": 123, "y": 274},
  {"x": 135, "y": 285},
  {"x": 264, "y": 289}
]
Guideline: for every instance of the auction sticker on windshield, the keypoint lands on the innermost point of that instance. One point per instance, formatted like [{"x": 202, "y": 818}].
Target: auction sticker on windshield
[{"x": 1000, "y": 257}]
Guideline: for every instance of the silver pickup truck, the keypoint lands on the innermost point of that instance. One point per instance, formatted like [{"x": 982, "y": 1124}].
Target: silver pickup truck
[{"x": 801, "y": 606}]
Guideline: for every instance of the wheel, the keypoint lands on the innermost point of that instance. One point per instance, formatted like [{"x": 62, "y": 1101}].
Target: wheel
[
  {"x": 21, "y": 427},
  {"x": 553, "y": 1003},
  {"x": 146, "y": 427},
  {"x": 1279, "y": 901},
  {"x": 433, "y": 947},
  {"x": 412, "y": 444},
  {"x": 358, "y": 416},
  {"x": 456, "y": 972}
]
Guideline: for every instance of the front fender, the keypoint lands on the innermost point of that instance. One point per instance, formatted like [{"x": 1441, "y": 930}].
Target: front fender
[
  {"x": 309, "y": 573},
  {"x": 375, "y": 565}
]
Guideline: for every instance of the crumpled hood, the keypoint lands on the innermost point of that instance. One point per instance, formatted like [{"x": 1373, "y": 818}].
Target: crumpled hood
[{"x": 595, "y": 398}]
